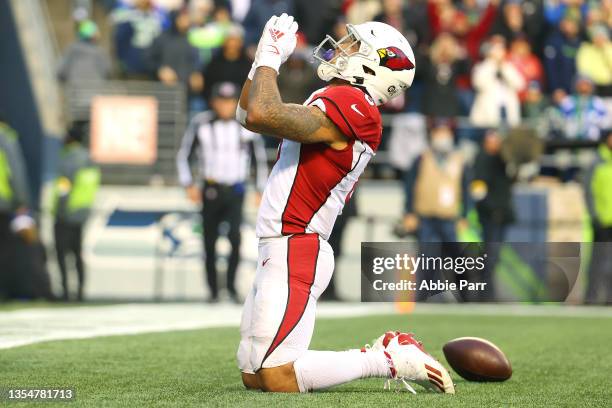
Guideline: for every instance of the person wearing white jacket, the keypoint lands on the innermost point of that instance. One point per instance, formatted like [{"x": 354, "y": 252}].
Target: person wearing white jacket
[{"x": 497, "y": 84}]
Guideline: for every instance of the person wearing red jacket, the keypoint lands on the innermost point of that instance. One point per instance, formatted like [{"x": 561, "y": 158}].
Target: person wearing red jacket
[
  {"x": 443, "y": 16},
  {"x": 526, "y": 63}
]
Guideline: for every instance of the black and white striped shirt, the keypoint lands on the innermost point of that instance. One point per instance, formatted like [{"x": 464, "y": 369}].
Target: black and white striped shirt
[{"x": 223, "y": 148}]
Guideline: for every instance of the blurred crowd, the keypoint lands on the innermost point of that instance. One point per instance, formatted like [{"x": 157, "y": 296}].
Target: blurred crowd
[
  {"x": 23, "y": 257},
  {"x": 515, "y": 78},
  {"x": 547, "y": 63}
]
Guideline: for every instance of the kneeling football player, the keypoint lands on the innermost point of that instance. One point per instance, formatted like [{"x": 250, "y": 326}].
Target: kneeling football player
[{"x": 326, "y": 144}]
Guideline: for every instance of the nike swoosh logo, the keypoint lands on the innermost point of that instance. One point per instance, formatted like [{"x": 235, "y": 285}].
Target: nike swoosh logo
[
  {"x": 265, "y": 261},
  {"x": 354, "y": 107}
]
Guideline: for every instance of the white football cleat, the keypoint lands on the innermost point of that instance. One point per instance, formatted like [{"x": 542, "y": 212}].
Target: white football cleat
[
  {"x": 380, "y": 344},
  {"x": 412, "y": 363}
]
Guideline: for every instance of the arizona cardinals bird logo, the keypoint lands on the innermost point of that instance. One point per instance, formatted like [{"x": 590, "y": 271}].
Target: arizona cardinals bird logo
[{"x": 394, "y": 59}]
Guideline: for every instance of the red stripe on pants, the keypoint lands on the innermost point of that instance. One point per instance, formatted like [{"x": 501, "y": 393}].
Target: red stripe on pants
[{"x": 302, "y": 254}]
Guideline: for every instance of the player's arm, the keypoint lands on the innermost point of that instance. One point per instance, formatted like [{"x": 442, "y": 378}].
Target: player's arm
[
  {"x": 241, "y": 109},
  {"x": 266, "y": 113},
  {"x": 188, "y": 146}
]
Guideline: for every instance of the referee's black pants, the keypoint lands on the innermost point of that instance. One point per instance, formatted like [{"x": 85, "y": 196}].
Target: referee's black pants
[
  {"x": 68, "y": 240},
  {"x": 7, "y": 255},
  {"x": 221, "y": 203}
]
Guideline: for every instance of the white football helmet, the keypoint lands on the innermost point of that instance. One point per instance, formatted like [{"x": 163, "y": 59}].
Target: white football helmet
[{"x": 384, "y": 64}]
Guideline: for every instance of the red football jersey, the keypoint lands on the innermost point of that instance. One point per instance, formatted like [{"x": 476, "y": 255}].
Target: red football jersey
[
  {"x": 353, "y": 111},
  {"x": 310, "y": 183}
]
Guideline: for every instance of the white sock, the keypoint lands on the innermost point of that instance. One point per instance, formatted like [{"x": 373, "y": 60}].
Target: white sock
[{"x": 316, "y": 370}]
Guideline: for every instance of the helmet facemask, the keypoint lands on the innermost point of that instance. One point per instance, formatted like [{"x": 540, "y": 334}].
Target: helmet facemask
[
  {"x": 334, "y": 55},
  {"x": 373, "y": 56}
]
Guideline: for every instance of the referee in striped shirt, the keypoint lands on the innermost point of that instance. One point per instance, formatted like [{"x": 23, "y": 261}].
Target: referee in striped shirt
[{"x": 224, "y": 149}]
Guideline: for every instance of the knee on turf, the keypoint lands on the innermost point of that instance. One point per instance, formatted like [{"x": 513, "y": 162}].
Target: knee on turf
[
  {"x": 250, "y": 381},
  {"x": 278, "y": 379}
]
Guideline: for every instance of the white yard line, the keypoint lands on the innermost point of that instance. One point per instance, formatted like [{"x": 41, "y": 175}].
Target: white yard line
[{"x": 29, "y": 326}]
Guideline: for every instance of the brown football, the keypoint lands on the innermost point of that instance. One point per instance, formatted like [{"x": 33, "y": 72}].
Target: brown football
[{"x": 477, "y": 359}]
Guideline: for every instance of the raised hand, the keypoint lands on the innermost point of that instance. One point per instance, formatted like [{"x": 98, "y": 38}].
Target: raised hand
[{"x": 277, "y": 42}]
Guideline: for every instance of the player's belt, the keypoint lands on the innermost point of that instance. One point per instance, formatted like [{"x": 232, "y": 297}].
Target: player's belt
[
  {"x": 215, "y": 183},
  {"x": 236, "y": 187}
]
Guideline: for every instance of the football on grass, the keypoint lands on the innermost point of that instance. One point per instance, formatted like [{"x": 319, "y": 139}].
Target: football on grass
[{"x": 477, "y": 359}]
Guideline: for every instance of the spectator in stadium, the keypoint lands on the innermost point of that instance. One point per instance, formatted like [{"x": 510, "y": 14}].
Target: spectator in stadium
[
  {"x": 469, "y": 23},
  {"x": 491, "y": 190},
  {"x": 599, "y": 14},
  {"x": 200, "y": 11},
  {"x": 446, "y": 62},
  {"x": 436, "y": 189},
  {"x": 297, "y": 78},
  {"x": 560, "y": 52},
  {"x": 14, "y": 206},
  {"x": 173, "y": 59},
  {"x": 555, "y": 10},
  {"x": 534, "y": 108},
  {"x": 441, "y": 15},
  {"x": 393, "y": 13},
  {"x": 256, "y": 18},
  {"x": 584, "y": 114},
  {"x": 85, "y": 60},
  {"x": 224, "y": 150},
  {"x": 472, "y": 10},
  {"x": 410, "y": 18},
  {"x": 553, "y": 115},
  {"x": 599, "y": 203},
  {"x": 436, "y": 197},
  {"x": 238, "y": 8},
  {"x": 514, "y": 22},
  {"x": 358, "y": 11},
  {"x": 526, "y": 63},
  {"x": 470, "y": 31},
  {"x": 497, "y": 83},
  {"x": 135, "y": 29},
  {"x": 317, "y": 16},
  {"x": 76, "y": 186},
  {"x": 534, "y": 104},
  {"x": 230, "y": 65},
  {"x": 594, "y": 60},
  {"x": 208, "y": 36}
]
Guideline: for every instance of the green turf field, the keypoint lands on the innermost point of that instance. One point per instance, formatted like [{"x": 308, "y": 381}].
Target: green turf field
[{"x": 557, "y": 361}]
